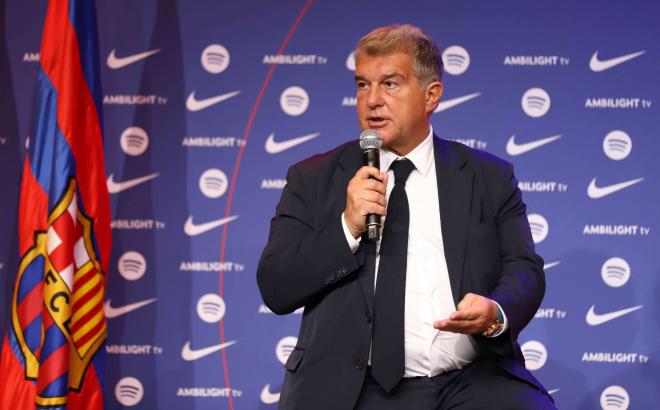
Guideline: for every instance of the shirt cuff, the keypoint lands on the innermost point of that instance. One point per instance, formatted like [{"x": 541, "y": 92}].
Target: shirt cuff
[
  {"x": 353, "y": 243},
  {"x": 506, "y": 322}
]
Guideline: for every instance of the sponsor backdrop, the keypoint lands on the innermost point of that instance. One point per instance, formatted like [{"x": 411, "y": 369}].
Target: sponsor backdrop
[{"x": 206, "y": 104}]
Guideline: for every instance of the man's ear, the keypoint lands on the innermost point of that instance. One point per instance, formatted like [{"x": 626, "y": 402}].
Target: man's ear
[{"x": 432, "y": 94}]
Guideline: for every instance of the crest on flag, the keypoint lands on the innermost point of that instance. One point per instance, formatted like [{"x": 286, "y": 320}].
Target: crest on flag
[{"x": 63, "y": 270}]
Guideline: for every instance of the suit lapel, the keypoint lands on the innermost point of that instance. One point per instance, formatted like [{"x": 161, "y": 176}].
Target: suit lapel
[
  {"x": 349, "y": 161},
  {"x": 455, "y": 196}
]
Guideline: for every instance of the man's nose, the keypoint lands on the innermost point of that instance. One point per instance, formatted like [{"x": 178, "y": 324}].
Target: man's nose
[{"x": 375, "y": 97}]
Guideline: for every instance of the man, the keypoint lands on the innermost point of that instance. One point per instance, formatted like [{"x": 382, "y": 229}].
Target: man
[{"x": 428, "y": 317}]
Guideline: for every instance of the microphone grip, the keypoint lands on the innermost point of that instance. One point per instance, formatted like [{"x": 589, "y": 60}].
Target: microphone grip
[{"x": 371, "y": 158}]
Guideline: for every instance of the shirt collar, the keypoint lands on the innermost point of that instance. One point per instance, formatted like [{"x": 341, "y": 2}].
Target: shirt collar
[{"x": 421, "y": 156}]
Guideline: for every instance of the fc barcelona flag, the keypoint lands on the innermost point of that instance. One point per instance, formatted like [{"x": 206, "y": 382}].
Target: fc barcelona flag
[{"x": 53, "y": 354}]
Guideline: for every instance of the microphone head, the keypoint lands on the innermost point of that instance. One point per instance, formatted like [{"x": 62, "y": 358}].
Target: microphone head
[{"x": 370, "y": 139}]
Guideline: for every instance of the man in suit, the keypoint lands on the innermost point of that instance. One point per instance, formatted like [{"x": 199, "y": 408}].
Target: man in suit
[{"x": 428, "y": 317}]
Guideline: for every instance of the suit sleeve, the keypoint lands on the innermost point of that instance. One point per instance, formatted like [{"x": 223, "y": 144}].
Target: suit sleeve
[
  {"x": 521, "y": 285},
  {"x": 306, "y": 254}
]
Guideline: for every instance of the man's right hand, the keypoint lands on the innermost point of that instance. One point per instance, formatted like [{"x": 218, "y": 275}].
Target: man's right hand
[{"x": 365, "y": 195}]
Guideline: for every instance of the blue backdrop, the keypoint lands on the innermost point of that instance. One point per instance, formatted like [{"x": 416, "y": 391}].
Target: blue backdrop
[{"x": 202, "y": 117}]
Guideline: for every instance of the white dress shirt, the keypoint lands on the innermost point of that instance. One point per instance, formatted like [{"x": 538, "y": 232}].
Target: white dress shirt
[{"x": 428, "y": 297}]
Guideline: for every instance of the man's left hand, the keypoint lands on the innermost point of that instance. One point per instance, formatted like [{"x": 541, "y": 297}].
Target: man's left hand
[{"x": 474, "y": 315}]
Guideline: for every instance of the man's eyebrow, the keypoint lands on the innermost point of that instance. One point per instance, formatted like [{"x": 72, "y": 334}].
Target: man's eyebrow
[
  {"x": 391, "y": 75},
  {"x": 382, "y": 78}
]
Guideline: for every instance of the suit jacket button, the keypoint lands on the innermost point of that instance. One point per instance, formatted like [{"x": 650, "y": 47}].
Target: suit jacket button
[
  {"x": 359, "y": 364},
  {"x": 367, "y": 317}
]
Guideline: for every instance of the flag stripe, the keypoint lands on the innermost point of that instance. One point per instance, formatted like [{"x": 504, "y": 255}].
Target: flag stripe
[
  {"x": 89, "y": 300},
  {"x": 90, "y": 336},
  {"x": 82, "y": 275},
  {"x": 32, "y": 277},
  {"x": 53, "y": 339},
  {"x": 32, "y": 335},
  {"x": 84, "y": 293},
  {"x": 78, "y": 118},
  {"x": 32, "y": 209},
  {"x": 48, "y": 321},
  {"x": 83, "y": 313},
  {"x": 30, "y": 307},
  {"x": 82, "y": 15},
  {"x": 57, "y": 387},
  {"x": 91, "y": 319},
  {"x": 51, "y": 158},
  {"x": 53, "y": 367},
  {"x": 92, "y": 325}
]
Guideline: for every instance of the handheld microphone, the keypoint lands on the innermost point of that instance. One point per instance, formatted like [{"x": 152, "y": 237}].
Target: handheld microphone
[{"x": 370, "y": 143}]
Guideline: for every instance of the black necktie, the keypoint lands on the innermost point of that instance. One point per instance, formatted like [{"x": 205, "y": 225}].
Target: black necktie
[{"x": 387, "y": 348}]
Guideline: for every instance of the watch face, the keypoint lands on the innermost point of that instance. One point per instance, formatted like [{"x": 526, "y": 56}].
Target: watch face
[{"x": 494, "y": 328}]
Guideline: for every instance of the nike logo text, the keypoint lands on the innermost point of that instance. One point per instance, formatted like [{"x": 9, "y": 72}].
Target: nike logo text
[
  {"x": 112, "y": 312},
  {"x": 597, "y": 65},
  {"x": 517, "y": 149},
  {"x": 191, "y": 229},
  {"x": 116, "y": 63},
  {"x": 117, "y": 187},
  {"x": 267, "y": 397},
  {"x": 188, "y": 354},
  {"x": 447, "y": 104},
  {"x": 595, "y": 192},
  {"x": 274, "y": 147},
  {"x": 594, "y": 319},
  {"x": 194, "y": 104}
]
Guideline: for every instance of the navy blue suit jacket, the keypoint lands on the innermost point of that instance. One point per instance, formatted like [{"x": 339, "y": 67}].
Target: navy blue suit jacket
[{"x": 307, "y": 262}]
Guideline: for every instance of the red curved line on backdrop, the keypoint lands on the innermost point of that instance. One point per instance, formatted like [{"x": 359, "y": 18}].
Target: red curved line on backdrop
[{"x": 234, "y": 176}]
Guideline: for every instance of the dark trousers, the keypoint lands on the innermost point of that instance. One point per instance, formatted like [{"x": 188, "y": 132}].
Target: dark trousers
[{"x": 481, "y": 385}]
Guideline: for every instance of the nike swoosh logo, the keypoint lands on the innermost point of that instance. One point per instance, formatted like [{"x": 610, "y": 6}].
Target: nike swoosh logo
[
  {"x": 597, "y": 65},
  {"x": 447, "y": 104},
  {"x": 274, "y": 147},
  {"x": 194, "y": 104},
  {"x": 553, "y": 391},
  {"x": 192, "y": 230},
  {"x": 551, "y": 265},
  {"x": 189, "y": 354},
  {"x": 115, "y": 63},
  {"x": 267, "y": 397},
  {"x": 594, "y": 319},
  {"x": 112, "y": 312},
  {"x": 595, "y": 192},
  {"x": 117, "y": 187},
  {"x": 514, "y": 149}
]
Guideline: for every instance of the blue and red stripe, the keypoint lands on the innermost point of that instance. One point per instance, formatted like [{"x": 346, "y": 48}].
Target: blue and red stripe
[
  {"x": 77, "y": 114},
  {"x": 51, "y": 160},
  {"x": 32, "y": 277},
  {"x": 82, "y": 15}
]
